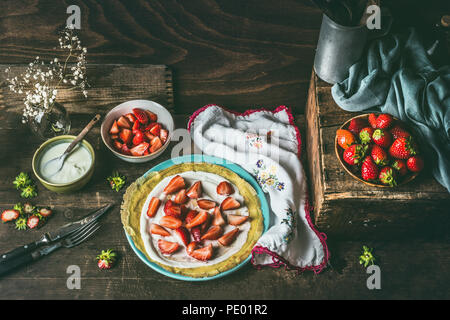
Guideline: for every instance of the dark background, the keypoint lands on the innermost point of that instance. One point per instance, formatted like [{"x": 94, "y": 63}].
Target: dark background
[{"x": 238, "y": 54}]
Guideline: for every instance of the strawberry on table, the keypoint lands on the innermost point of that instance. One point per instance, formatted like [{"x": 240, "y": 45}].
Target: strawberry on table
[
  {"x": 33, "y": 221},
  {"x": 228, "y": 237},
  {"x": 177, "y": 183},
  {"x": 369, "y": 170},
  {"x": 140, "y": 115},
  {"x": 402, "y": 148},
  {"x": 106, "y": 259},
  {"x": 224, "y": 188},
  {"x": 195, "y": 190},
  {"x": 415, "y": 163},
  {"x": 9, "y": 215},
  {"x": 387, "y": 176},
  {"x": 153, "y": 206},
  {"x": 382, "y": 138},
  {"x": 167, "y": 247}
]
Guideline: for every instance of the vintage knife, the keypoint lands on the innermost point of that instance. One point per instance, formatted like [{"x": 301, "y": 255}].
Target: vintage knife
[{"x": 51, "y": 237}]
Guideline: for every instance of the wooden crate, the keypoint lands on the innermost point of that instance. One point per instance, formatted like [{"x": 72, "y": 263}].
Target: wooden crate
[{"x": 346, "y": 207}]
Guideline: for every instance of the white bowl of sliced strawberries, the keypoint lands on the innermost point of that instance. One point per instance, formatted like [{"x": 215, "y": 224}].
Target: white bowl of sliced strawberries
[{"x": 137, "y": 130}]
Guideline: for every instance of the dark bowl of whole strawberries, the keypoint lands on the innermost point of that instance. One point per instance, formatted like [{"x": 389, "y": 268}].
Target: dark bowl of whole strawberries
[{"x": 378, "y": 150}]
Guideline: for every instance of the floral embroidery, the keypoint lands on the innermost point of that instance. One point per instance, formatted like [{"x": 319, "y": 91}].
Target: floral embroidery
[
  {"x": 267, "y": 176},
  {"x": 254, "y": 140},
  {"x": 291, "y": 221}
]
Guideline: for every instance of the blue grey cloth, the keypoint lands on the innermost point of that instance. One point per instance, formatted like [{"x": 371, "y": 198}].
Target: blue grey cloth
[{"x": 396, "y": 77}]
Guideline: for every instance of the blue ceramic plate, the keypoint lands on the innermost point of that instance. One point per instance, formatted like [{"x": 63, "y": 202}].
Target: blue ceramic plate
[{"x": 233, "y": 167}]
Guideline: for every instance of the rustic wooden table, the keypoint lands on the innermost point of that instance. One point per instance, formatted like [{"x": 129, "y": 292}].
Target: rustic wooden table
[{"x": 236, "y": 54}]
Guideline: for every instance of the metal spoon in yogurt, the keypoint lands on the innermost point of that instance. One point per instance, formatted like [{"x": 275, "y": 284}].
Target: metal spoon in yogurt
[{"x": 55, "y": 165}]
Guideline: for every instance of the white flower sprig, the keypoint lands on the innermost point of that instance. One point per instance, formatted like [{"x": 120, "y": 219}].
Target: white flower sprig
[{"x": 39, "y": 83}]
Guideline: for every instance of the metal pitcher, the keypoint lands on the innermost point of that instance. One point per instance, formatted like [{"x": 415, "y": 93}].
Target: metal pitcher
[{"x": 339, "y": 47}]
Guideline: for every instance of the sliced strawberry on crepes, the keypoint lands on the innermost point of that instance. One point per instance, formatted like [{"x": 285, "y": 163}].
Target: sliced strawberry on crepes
[
  {"x": 203, "y": 254},
  {"x": 206, "y": 204},
  {"x": 170, "y": 222},
  {"x": 157, "y": 229},
  {"x": 172, "y": 209},
  {"x": 181, "y": 197},
  {"x": 183, "y": 235},
  {"x": 229, "y": 204},
  {"x": 195, "y": 190},
  {"x": 213, "y": 233},
  {"x": 224, "y": 188},
  {"x": 153, "y": 206},
  {"x": 218, "y": 218},
  {"x": 176, "y": 184},
  {"x": 235, "y": 220},
  {"x": 198, "y": 220},
  {"x": 228, "y": 237},
  {"x": 167, "y": 247}
]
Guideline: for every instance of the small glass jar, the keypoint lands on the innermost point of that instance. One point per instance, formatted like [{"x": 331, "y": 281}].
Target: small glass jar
[{"x": 51, "y": 122}]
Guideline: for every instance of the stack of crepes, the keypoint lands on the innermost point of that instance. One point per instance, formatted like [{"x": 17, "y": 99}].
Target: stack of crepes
[{"x": 268, "y": 144}]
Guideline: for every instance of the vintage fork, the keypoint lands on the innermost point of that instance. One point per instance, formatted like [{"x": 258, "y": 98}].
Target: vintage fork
[{"x": 71, "y": 241}]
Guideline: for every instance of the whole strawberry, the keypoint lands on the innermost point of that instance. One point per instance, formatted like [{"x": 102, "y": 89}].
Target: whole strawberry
[
  {"x": 369, "y": 170},
  {"x": 344, "y": 138},
  {"x": 400, "y": 166},
  {"x": 106, "y": 259},
  {"x": 356, "y": 125},
  {"x": 415, "y": 164},
  {"x": 365, "y": 135},
  {"x": 379, "y": 155},
  {"x": 384, "y": 121},
  {"x": 387, "y": 176},
  {"x": 402, "y": 148},
  {"x": 373, "y": 120},
  {"x": 353, "y": 154},
  {"x": 382, "y": 138},
  {"x": 398, "y": 131}
]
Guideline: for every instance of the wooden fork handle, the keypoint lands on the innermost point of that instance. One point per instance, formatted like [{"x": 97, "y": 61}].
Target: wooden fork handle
[{"x": 83, "y": 133}]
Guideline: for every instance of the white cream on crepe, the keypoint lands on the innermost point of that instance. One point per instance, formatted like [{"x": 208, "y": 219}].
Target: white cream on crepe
[{"x": 180, "y": 258}]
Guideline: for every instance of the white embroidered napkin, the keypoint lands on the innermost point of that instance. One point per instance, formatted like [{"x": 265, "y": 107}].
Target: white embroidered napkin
[{"x": 267, "y": 144}]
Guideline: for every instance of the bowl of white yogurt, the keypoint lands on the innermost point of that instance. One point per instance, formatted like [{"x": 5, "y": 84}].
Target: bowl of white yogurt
[{"x": 76, "y": 171}]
